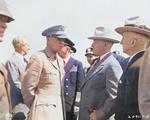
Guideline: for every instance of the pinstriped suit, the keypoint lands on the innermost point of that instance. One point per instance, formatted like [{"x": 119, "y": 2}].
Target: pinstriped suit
[{"x": 99, "y": 90}]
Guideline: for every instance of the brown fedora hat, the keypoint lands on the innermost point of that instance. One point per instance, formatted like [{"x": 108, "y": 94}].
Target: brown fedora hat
[
  {"x": 133, "y": 25},
  {"x": 121, "y": 30}
]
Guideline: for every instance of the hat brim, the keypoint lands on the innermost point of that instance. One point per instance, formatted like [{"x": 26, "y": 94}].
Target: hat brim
[
  {"x": 121, "y": 30},
  {"x": 73, "y": 49},
  {"x": 89, "y": 54},
  {"x": 105, "y": 39},
  {"x": 67, "y": 40},
  {"x": 9, "y": 17}
]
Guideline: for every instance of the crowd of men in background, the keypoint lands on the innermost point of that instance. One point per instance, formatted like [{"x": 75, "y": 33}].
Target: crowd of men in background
[{"x": 53, "y": 85}]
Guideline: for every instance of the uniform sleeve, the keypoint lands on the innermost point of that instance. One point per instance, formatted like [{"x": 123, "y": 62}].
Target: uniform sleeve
[
  {"x": 144, "y": 86},
  {"x": 80, "y": 77},
  {"x": 113, "y": 75},
  {"x": 31, "y": 79}
]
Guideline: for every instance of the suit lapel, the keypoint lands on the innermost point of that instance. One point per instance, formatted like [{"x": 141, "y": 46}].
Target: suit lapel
[
  {"x": 19, "y": 62},
  {"x": 136, "y": 57},
  {"x": 98, "y": 67},
  {"x": 93, "y": 72},
  {"x": 69, "y": 64}
]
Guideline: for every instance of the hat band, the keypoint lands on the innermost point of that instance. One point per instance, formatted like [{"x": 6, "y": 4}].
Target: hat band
[{"x": 52, "y": 36}]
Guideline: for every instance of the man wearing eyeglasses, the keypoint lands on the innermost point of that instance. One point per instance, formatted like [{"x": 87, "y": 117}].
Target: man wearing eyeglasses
[{"x": 72, "y": 81}]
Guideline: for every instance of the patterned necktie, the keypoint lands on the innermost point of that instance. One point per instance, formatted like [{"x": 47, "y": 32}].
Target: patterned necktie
[
  {"x": 25, "y": 61},
  {"x": 95, "y": 61}
]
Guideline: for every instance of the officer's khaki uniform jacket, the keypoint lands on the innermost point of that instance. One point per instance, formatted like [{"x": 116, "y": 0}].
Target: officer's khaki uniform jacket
[{"x": 41, "y": 87}]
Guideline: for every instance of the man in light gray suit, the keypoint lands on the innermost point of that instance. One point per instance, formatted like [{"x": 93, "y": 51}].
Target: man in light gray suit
[
  {"x": 15, "y": 66},
  {"x": 99, "y": 90}
]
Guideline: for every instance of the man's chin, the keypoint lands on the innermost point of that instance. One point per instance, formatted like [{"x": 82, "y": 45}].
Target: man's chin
[{"x": 1, "y": 39}]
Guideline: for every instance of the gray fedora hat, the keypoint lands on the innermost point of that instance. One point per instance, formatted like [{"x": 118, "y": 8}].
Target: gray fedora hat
[{"x": 102, "y": 33}]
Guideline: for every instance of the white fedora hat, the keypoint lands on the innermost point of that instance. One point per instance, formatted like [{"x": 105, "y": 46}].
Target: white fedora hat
[
  {"x": 131, "y": 25},
  {"x": 5, "y": 11},
  {"x": 102, "y": 33}
]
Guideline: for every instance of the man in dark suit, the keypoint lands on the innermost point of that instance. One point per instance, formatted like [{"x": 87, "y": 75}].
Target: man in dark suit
[
  {"x": 134, "y": 44},
  {"x": 15, "y": 66},
  {"x": 99, "y": 90},
  {"x": 5, "y": 101},
  {"x": 72, "y": 81}
]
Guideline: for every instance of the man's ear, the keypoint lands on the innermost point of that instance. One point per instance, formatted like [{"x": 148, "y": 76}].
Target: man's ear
[
  {"x": 21, "y": 46},
  {"x": 68, "y": 49},
  {"x": 48, "y": 39},
  {"x": 105, "y": 44},
  {"x": 133, "y": 42}
]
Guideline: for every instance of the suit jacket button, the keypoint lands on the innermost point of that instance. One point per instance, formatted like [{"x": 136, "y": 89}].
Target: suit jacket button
[
  {"x": 66, "y": 86},
  {"x": 66, "y": 79},
  {"x": 66, "y": 93}
]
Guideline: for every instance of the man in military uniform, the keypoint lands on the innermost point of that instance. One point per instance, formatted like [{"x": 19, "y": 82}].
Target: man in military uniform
[{"x": 73, "y": 79}]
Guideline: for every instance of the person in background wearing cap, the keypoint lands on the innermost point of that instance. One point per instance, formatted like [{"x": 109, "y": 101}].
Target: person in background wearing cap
[
  {"x": 5, "y": 100},
  {"x": 41, "y": 86},
  {"x": 73, "y": 79},
  {"x": 134, "y": 43},
  {"x": 15, "y": 66},
  {"x": 99, "y": 90},
  {"x": 90, "y": 57}
]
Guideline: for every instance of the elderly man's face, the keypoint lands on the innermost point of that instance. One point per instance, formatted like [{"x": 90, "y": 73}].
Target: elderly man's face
[
  {"x": 55, "y": 44},
  {"x": 26, "y": 47},
  {"x": 98, "y": 47},
  {"x": 3, "y": 26},
  {"x": 126, "y": 42}
]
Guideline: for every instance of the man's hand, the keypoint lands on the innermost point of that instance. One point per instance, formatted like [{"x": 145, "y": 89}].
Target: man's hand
[
  {"x": 76, "y": 110},
  {"x": 93, "y": 115}
]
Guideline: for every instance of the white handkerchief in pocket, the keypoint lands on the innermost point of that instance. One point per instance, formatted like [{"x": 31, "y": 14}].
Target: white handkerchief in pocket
[{"x": 73, "y": 69}]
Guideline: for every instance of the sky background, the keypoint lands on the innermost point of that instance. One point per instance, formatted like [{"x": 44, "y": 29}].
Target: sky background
[{"x": 80, "y": 16}]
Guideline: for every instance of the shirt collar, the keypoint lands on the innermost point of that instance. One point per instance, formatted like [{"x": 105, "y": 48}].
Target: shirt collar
[
  {"x": 50, "y": 54},
  {"x": 67, "y": 59},
  {"x": 134, "y": 55},
  {"x": 101, "y": 57}
]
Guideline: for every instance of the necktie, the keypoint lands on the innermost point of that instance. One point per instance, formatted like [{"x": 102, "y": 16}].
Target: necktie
[
  {"x": 95, "y": 61},
  {"x": 64, "y": 62},
  {"x": 25, "y": 61},
  {"x": 55, "y": 57}
]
